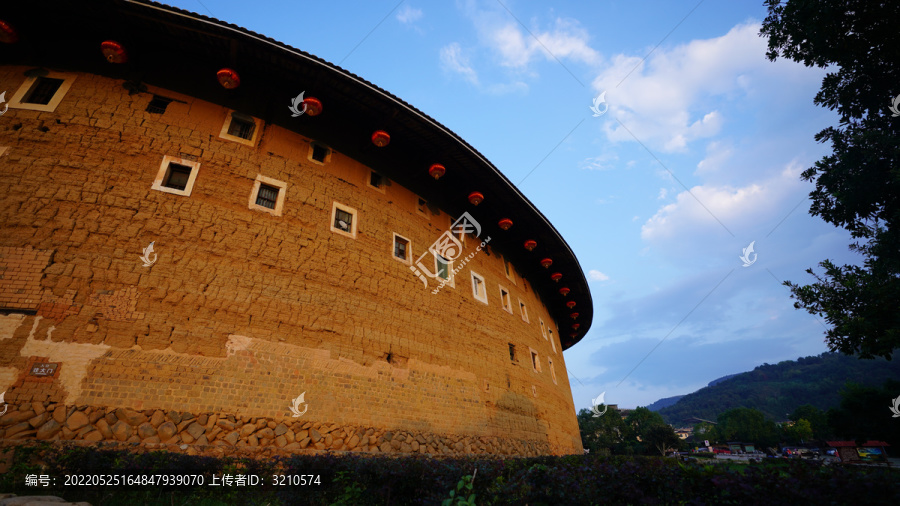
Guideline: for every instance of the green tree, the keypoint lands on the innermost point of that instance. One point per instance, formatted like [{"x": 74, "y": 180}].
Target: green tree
[
  {"x": 602, "y": 435},
  {"x": 638, "y": 424},
  {"x": 865, "y": 413},
  {"x": 747, "y": 426},
  {"x": 798, "y": 432},
  {"x": 817, "y": 419},
  {"x": 858, "y": 185},
  {"x": 661, "y": 438}
]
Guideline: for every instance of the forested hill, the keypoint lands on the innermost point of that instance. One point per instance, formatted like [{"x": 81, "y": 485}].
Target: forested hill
[{"x": 778, "y": 389}]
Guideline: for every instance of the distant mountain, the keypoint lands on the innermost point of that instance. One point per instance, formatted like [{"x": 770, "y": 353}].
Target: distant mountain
[
  {"x": 664, "y": 403},
  {"x": 669, "y": 401},
  {"x": 723, "y": 378},
  {"x": 779, "y": 389}
]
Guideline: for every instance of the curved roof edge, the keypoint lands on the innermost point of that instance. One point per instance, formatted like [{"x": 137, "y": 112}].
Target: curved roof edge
[{"x": 154, "y": 33}]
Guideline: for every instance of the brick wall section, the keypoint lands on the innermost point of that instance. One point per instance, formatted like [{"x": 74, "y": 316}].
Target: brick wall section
[
  {"x": 20, "y": 276},
  {"x": 323, "y": 312}
]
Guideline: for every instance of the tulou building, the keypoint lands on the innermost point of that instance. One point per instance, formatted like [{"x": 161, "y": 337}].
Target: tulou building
[{"x": 208, "y": 237}]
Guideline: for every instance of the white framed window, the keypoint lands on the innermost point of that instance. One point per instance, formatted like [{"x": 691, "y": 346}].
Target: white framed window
[
  {"x": 319, "y": 153},
  {"x": 267, "y": 195},
  {"x": 535, "y": 360},
  {"x": 444, "y": 269},
  {"x": 479, "y": 288},
  {"x": 543, "y": 328},
  {"x": 402, "y": 249},
  {"x": 507, "y": 267},
  {"x": 240, "y": 127},
  {"x": 176, "y": 176},
  {"x": 343, "y": 220},
  {"x": 524, "y": 311},
  {"x": 376, "y": 181},
  {"x": 421, "y": 206},
  {"x": 504, "y": 300},
  {"x": 552, "y": 370},
  {"x": 552, "y": 341},
  {"x": 42, "y": 93}
]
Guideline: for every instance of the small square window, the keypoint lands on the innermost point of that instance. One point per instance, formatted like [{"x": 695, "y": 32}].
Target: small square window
[
  {"x": 42, "y": 93},
  {"x": 421, "y": 206},
  {"x": 343, "y": 220},
  {"x": 504, "y": 300},
  {"x": 443, "y": 267},
  {"x": 402, "y": 250},
  {"x": 176, "y": 175},
  {"x": 267, "y": 195},
  {"x": 535, "y": 361},
  {"x": 543, "y": 328},
  {"x": 552, "y": 341},
  {"x": 523, "y": 310},
  {"x": 376, "y": 181},
  {"x": 512, "y": 355},
  {"x": 319, "y": 153},
  {"x": 241, "y": 128},
  {"x": 479, "y": 289},
  {"x": 158, "y": 104},
  {"x": 552, "y": 370},
  {"x": 507, "y": 267}
]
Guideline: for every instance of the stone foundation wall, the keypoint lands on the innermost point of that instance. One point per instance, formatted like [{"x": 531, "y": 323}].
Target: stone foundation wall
[{"x": 48, "y": 421}]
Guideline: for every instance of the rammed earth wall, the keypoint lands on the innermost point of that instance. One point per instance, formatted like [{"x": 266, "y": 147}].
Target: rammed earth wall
[{"x": 242, "y": 310}]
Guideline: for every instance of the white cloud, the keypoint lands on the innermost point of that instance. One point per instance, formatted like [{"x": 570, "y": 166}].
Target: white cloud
[
  {"x": 605, "y": 161},
  {"x": 675, "y": 97},
  {"x": 453, "y": 60},
  {"x": 717, "y": 153},
  {"x": 517, "y": 48},
  {"x": 734, "y": 206},
  {"x": 409, "y": 15},
  {"x": 663, "y": 192},
  {"x": 594, "y": 275}
]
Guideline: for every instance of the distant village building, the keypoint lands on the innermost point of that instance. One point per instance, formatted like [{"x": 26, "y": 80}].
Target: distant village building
[{"x": 209, "y": 237}]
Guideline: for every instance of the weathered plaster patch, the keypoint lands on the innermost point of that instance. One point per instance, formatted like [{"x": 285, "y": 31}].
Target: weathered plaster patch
[
  {"x": 74, "y": 357},
  {"x": 9, "y": 323},
  {"x": 8, "y": 376}
]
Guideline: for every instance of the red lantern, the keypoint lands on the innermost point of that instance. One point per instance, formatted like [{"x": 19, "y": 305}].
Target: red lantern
[
  {"x": 573, "y": 334},
  {"x": 546, "y": 263},
  {"x": 381, "y": 138},
  {"x": 530, "y": 245},
  {"x": 575, "y": 326},
  {"x": 570, "y": 304},
  {"x": 436, "y": 171},
  {"x": 564, "y": 291},
  {"x": 476, "y": 198},
  {"x": 8, "y": 34},
  {"x": 113, "y": 52},
  {"x": 313, "y": 106},
  {"x": 556, "y": 276},
  {"x": 228, "y": 78},
  {"x": 574, "y": 315},
  {"x": 505, "y": 223}
]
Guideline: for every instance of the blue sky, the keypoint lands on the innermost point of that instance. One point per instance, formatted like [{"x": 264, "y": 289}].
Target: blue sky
[{"x": 699, "y": 153}]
